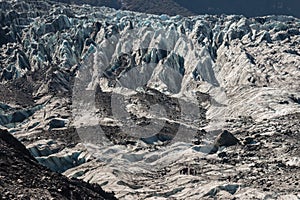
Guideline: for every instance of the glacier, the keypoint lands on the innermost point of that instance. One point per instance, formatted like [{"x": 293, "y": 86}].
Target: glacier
[{"x": 138, "y": 99}]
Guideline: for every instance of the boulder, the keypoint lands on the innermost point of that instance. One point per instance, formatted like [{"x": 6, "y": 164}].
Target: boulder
[
  {"x": 19, "y": 116},
  {"x": 225, "y": 139},
  {"x": 4, "y": 120},
  {"x": 57, "y": 123}
]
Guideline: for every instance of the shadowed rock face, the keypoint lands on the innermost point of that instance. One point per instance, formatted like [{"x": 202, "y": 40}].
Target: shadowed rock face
[
  {"x": 109, "y": 3},
  {"x": 225, "y": 139},
  {"x": 169, "y": 7},
  {"x": 191, "y": 7},
  {"x": 247, "y": 8},
  {"x": 23, "y": 178}
]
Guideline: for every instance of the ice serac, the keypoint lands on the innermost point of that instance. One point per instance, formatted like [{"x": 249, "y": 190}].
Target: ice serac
[{"x": 158, "y": 90}]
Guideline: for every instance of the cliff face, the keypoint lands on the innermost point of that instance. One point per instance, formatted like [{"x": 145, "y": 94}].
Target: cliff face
[
  {"x": 212, "y": 7},
  {"x": 247, "y": 8},
  {"x": 139, "y": 103}
]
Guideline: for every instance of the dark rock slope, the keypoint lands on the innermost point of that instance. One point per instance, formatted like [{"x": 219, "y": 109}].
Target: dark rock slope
[
  {"x": 192, "y": 7},
  {"x": 169, "y": 7},
  {"x": 23, "y": 178}
]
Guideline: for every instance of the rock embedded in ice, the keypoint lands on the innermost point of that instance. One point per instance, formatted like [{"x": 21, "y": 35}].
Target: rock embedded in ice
[
  {"x": 57, "y": 123},
  {"x": 226, "y": 139}
]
